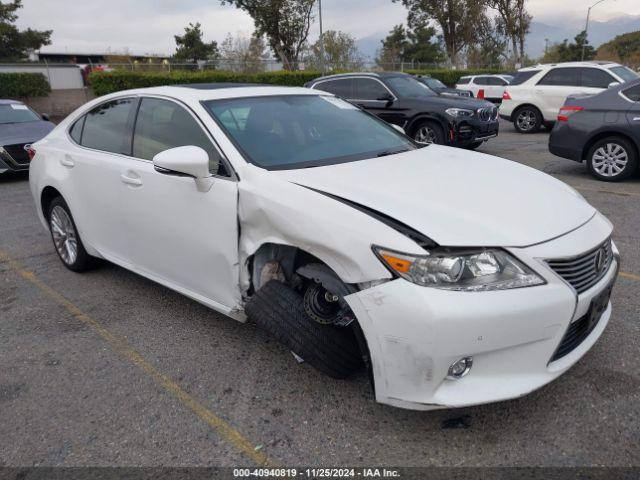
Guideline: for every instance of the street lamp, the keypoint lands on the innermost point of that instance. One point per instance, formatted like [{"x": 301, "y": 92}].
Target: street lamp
[
  {"x": 586, "y": 28},
  {"x": 322, "y": 37}
]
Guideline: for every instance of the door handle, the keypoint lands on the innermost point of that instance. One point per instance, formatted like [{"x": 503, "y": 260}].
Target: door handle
[
  {"x": 636, "y": 119},
  {"x": 136, "y": 182},
  {"x": 67, "y": 161}
]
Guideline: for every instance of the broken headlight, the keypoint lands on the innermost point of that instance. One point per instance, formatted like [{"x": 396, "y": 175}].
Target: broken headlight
[{"x": 467, "y": 270}]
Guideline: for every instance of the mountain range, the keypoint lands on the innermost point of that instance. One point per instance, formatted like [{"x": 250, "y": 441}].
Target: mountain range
[{"x": 542, "y": 30}]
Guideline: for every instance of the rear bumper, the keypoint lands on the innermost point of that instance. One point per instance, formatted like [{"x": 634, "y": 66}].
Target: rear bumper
[
  {"x": 415, "y": 333},
  {"x": 566, "y": 142}
]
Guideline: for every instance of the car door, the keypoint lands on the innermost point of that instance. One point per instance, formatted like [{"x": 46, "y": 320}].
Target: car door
[
  {"x": 178, "y": 235},
  {"x": 373, "y": 96},
  {"x": 480, "y": 83},
  {"x": 552, "y": 90},
  {"x": 98, "y": 153},
  {"x": 632, "y": 96},
  {"x": 495, "y": 88}
]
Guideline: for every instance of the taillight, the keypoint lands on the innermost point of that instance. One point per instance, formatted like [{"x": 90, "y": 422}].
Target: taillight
[
  {"x": 30, "y": 151},
  {"x": 567, "y": 111},
  {"x": 506, "y": 96}
]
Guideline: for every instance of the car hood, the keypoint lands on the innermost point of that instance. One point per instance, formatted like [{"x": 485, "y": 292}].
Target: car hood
[
  {"x": 456, "y": 197},
  {"x": 14, "y": 133}
]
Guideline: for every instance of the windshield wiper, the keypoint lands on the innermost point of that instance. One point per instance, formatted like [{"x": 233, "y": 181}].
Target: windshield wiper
[{"x": 391, "y": 152}]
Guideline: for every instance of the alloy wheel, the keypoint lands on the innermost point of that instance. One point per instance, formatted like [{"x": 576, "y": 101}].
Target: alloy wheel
[
  {"x": 425, "y": 135},
  {"x": 526, "y": 120},
  {"x": 64, "y": 235},
  {"x": 610, "y": 160}
]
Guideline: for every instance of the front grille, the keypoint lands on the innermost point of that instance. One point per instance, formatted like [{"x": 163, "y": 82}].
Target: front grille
[
  {"x": 487, "y": 114},
  {"x": 576, "y": 333},
  {"x": 17, "y": 153},
  {"x": 584, "y": 271}
]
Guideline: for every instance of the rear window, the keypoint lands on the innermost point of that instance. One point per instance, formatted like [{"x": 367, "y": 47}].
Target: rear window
[
  {"x": 464, "y": 80},
  {"x": 521, "y": 77},
  {"x": 17, "y": 113}
]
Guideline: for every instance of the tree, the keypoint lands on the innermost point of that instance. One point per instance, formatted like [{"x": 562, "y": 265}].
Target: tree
[
  {"x": 624, "y": 49},
  {"x": 515, "y": 22},
  {"x": 16, "y": 44},
  {"x": 244, "y": 54},
  {"x": 570, "y": 52},
  {"x": 406, "y": 45},
  {"x": 191, "y": 47},
  {"x": 457, "y": 20},
  {"x": 340, "y": 52},
  {"x": 285, "y": 23},
  {"x": 491, "y": 46}
]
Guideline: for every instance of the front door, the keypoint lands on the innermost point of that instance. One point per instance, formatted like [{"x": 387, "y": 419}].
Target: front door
[{"x": 185, "y": 238}]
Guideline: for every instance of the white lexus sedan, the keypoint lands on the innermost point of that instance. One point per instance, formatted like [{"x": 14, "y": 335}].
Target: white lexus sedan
[{"x": 455, "y": 278}]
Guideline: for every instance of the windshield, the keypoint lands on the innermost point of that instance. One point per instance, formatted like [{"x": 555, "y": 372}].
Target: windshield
[
  {"x": 301, "y": 131},
  {"x": 624, "y": 73},
  {"x": 433, "y": 82},
  {"x": 17, "y": 113},
  {"x": 409, "y": 87}
]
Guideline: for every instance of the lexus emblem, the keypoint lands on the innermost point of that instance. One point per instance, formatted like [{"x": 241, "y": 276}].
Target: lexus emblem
[{"x": 600, "y": 260}]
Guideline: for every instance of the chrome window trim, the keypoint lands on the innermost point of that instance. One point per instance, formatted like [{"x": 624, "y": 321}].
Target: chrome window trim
[{"x": 140, "y": 96}]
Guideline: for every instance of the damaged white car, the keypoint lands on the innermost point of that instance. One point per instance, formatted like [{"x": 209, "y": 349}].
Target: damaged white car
[{"x": 456, "y": 278}]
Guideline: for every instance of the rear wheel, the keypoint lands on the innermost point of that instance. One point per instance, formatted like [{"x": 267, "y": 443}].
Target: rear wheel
[
  {"x": 612, "y": 159},
  {"x": 428, "y": 132},
  {"x": 65, "y": 237},
  {"x": 527, "y": 120}
]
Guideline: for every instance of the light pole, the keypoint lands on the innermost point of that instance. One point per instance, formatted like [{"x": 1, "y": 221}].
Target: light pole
[
  {"x": 586, "y": 28},
  {"x": 322, "y": 37}
]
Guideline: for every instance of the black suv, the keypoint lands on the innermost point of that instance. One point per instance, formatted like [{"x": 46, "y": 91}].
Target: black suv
[
  {"x": 603, "y": 129},
  {"x": 425, "y": 115}
]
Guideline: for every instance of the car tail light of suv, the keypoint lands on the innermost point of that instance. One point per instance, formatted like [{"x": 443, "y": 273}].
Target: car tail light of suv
[
  {"x": 30, "y": 151},
  {"x": 567, "y": 111},
  {"x": 506, "y": 96}
]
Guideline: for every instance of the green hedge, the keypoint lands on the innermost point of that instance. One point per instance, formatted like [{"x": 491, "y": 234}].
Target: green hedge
[
  {"x": 450, "y": 77},
  {"x": 23, "y": 85},
  {"x": 104, "y": 83}
]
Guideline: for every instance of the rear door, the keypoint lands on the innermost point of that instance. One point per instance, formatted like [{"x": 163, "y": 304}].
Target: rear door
[
  {"x": 102, "y": 143},
  {"x": 182, "y": 237},
  {"x": 372, "y": 95},
  {"x": 632, "y": 96},
  {"x": 552, "y": 90}
]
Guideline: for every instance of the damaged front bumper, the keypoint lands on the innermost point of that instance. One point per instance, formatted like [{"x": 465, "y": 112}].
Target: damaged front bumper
[{"x": 415, "y": 333}]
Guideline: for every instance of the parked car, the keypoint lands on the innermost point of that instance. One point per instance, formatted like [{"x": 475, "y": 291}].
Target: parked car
[
  {"x": 536, "y": 94},
  {"x": 456, "y": 278},
  {"x": 439, "y": 87},
  {"x": 603, "y": 130},
  {"x": 489, "y": 87},
  {"x": 425, "y": 116},
  {"x": 19, "y": 126}
]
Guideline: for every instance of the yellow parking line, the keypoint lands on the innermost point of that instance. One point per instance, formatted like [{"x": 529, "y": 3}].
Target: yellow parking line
[
  {"x": 222, "y": 428},
  {"x": 630, "y": 276}
]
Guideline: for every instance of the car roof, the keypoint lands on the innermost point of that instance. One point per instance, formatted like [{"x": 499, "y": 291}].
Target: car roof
[
  {"x": 10, "y": 102},
  {"x": 361, "y": 74},
  {"x": 571, "y": 64},
  {"x": 218, "y": 91}
]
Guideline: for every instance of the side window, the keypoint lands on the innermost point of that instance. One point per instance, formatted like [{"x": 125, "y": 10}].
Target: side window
[
  {"x": 367, "y": 89},
  {"x": 106, "y": 127},
  {"x": 561, "y": 77},
  {"x": 341, "y": 88},
  {"x": 162, "y": 125},
  {"x": 464, "y": 80},
  {"x": 497, "y": 81},
  {"x": 594, "y": 78},
  {"x": 481, "y": 81},
  {"x": 633, "y": 93},
  {"x": 76, "y": 130}
]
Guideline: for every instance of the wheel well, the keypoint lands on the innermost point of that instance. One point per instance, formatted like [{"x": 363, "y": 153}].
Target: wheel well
[
  {"x": 48, "y": 194},
  {"x": 603, "y": 135},
  {"x": 416, "y": 122},
  {"x": 520, "y": 107}
]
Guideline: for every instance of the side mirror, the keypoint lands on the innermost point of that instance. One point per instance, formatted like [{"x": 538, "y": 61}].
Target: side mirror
[
  {"x": 613, "y": 84},
  {"x": 191, "y": 161},
  {"x": 45, "y": 117},
  {"x": 387, "y": 98},
  {"x": 399, "y": 128}
]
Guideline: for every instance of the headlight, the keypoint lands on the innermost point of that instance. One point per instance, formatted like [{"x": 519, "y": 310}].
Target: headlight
[
  {"x": 459, "y": 112},
  {"x": 462, "y": 270}
]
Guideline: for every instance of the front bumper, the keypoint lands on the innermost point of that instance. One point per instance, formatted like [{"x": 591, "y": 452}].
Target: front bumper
[
  {"x": 415, "y": 333},
  {"x": 469, "y": 132}
]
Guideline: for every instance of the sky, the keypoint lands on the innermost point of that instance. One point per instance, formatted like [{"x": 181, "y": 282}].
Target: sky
[{"x": 148, "y": 26}]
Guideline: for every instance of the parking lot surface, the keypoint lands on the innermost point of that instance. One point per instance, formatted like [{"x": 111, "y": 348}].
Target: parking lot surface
[{"x": 109, "y": 369}]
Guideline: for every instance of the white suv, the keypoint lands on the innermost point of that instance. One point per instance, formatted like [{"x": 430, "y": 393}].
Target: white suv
[
  {"x": 536, "y": 94},
  {"x": 491, "y": 86}
]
